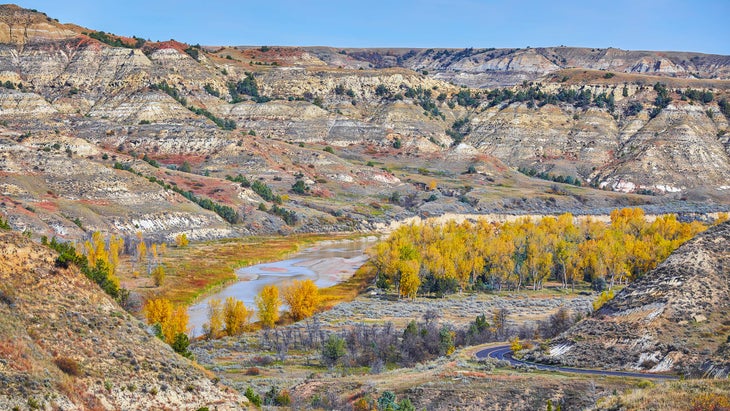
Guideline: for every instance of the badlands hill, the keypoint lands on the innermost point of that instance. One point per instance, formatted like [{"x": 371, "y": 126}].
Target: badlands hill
[
  {"x": 492, "y": 67},
  {"x": 100, "y": 132},
  {"x": 675, "y": 318},
  {"x": 65, "y": 344}
]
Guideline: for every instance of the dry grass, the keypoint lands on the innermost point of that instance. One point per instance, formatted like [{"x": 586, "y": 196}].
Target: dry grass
[
  {"x": 348, "y": 290},
  {"x": 17, "y": 353},
  {"x": 675, "y": 395}
]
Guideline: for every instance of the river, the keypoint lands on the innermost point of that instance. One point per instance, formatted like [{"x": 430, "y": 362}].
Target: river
[{"x": 326, "y": 263}]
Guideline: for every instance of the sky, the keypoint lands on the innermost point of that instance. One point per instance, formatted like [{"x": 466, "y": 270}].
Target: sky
[{"x": 664, "y": 25}]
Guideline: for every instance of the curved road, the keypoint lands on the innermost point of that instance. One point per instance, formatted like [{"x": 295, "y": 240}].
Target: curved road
[{"x": 504, "y": 352}]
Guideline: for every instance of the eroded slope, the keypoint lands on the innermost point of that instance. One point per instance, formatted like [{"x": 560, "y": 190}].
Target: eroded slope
[
  {"x": 675, "y": 318},
  {"x": 65, "y": 344}
]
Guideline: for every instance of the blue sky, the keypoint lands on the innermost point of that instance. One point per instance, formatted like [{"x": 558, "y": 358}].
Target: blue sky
[{"x": 700, "y": 25}]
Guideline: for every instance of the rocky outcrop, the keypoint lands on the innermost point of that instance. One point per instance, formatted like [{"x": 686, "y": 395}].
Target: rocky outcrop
[
  {"x": 679, "y": 149},
  {"x": 65, "y": 183},
  {"x": 673, "y": 319},
  {"x": 64, "y": 344},
  {"x": 21, "y": 26}
]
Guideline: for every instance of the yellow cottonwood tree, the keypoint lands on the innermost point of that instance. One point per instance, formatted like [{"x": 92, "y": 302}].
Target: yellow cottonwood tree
[
  {"x": 182, "y": 240},
  {"x": 565, "y": 254},
  {"x": 409, "y": 280},
  {"x": 158, "y": 275},
  {"x": 235, "y": 316},
  {"x": 173, "y": 320},
  {"x": 500, "y": 260},
  {"x": 268, "y": 304},
  {"x": 214, "y": 326},
  {"x": 303, "y": 298},
  {"x": 514, "y": 253},
  {"x": 613, "y": 253},
  {"x": 141, "y": 251},
  {"x": 158, "y": 310},
  {"x": 116, "y": 244},
  {"x": 178, "y": 324}
]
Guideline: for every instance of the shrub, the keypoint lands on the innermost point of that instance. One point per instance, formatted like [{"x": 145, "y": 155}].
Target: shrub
[
  {"x": 283, "y": 399},
  {"x": 598, "y": 284},
  {"x": 515, "y": 344},
  {"x": 68, "y": 366},
  {"x": 277, "y": 398},
  {"x": 333, "y": 350},
  {"x": 210, "y": 89},
  {"x": 300, "y": 187},
  {"x": 181, "y": 344},
  {"x": 253, "y": 396},
  {"x": 602, "y": 299},
  {"x": 4, "y": 225},
  {"x": 329, "y": 150},
  {"x": 185, "y": 167},
  {"x": 386, "y": 401},
  {"x": 193, "y": 51},
  {"x": 253, "y": 371}
]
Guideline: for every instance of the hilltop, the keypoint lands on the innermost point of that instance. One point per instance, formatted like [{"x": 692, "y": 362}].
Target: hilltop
[
  {"x": 494, "y": 67},
  {"x": 673, "y": 319},
  {"x": 64, "y": 344}
]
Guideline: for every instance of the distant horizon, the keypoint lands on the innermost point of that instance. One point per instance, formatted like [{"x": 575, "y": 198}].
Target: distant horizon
[
  {"x": 254, "y": 46},
  {"x": 649, "y": 25}
]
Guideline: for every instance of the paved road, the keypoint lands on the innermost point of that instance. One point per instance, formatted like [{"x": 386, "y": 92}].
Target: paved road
[{"x": 503, "y": 352}]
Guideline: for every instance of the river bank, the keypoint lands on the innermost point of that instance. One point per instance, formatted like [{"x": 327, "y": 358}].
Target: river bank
[
  {"x": 195, "y": 271},
  {"x": 327, "y": 263}
]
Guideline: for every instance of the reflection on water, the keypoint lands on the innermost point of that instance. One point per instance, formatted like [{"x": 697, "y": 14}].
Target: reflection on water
[{"x": 326, "y": 263}]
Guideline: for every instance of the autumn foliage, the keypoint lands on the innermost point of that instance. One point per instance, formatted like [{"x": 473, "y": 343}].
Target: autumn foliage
[
  {"x": 181, "y": 240},
  {"x": 303, "y": 298},
  {"x": 433, "y": 258},
  {"x": 236, "y": 316},
  {"x": 268, "y": 304},
  {"x": 214, "y": 326},
  {"x": 172, "y": 320}
]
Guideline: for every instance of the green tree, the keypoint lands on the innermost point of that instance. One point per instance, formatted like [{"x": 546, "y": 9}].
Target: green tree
[
  {"x": 386, "y": 401},
  {"x": 300, "y": 187},
  {"x": 333, "y": 349},
  {"x": 181, "y": 344}
]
